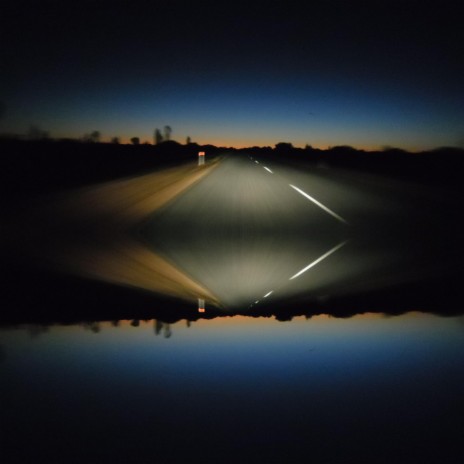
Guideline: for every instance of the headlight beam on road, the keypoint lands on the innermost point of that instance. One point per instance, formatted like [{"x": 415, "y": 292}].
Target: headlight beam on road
[
  {"x": 318, "y": 260},
  {"x": 327, "y": 210}
]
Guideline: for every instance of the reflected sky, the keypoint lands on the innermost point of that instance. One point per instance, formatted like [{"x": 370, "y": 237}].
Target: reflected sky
[{"x": 343, "y": 381}]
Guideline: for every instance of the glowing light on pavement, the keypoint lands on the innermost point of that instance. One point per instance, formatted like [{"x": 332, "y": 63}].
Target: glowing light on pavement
[
  {"x": 327, "y": 210},
  {"x": 267, "y": 169},
  {"x": 318, "y": 260}
]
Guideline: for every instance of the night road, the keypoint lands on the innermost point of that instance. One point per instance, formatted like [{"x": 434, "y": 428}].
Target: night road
[
  {"x": 231, "y": 233},
  {"x": 255, "y": 231}
]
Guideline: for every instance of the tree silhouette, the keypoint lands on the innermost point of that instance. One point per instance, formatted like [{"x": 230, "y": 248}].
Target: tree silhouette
[
  {"x": 188, "y": 141},
  {"x": 135, "y": 141},
  {"x": 157, "y": 326},
  {"x": 35, "y": 133},
  {"x": 93, "y": 326},
  {"x": 115, "y": 140},
  {"x": 95, "y": 136},
  {"x": 167, "y": 133},
  {"x": 35, "y": 330},
  {"x": 284, "y": 147},
  {"x": 158, "y": 138}
]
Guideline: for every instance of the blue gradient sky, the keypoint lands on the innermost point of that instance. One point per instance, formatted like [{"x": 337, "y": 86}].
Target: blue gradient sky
[{"x": 327, "y": 75}]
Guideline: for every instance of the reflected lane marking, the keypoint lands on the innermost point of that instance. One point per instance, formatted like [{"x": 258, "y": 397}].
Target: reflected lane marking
[
  {"x": 327, "y": 210},
  {"x": 267, "y": 294},
  {"x": 267, "y": 169},
  {"x": 256, "y": 161},
  {"x": 318, "y": 260}
]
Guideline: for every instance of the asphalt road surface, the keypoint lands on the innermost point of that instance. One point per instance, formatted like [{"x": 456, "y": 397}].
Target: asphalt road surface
[{"x": 254, "y": 231}]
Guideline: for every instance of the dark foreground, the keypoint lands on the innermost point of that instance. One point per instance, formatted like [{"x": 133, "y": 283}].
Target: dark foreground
[{"x": 364, "y": 389}]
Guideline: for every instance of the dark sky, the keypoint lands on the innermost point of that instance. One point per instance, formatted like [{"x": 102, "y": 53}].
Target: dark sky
[{"x": 367, "y": 74}]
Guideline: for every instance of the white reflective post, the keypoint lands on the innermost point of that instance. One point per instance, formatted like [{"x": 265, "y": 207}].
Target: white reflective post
[
  {"x": 201, "y": 305},
  {"x": 201, "y": 158}
]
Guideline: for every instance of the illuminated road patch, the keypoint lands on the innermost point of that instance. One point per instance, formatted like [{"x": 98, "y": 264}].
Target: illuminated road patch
[
  {"x": 327, "y": 210},
  {"x": 318, "y": 260}
]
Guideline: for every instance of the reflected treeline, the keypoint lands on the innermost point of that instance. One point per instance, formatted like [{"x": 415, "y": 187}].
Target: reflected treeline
[
  {"x": 96, "y": 327},
  {"x": 35, "y": 330},
  {"x": 92, "y": 326},
  {"x": 159, "y": 327},
  {"x": 163, "y": 327}
]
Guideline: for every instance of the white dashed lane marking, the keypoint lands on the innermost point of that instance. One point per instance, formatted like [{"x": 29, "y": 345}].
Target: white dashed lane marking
[
  {"x": 318, "y": 203},
  {"x": 318, "y": 260}
]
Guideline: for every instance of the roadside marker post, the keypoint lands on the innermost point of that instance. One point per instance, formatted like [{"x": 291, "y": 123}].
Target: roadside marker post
[
  {"x": 201, "y": 305},
  {"x": 201, "y": 158}
]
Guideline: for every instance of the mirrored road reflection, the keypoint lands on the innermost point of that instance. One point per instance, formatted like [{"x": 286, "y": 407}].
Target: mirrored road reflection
[
  {"x": 243, "y": 233},
  {"x": 248, "y": 235}
]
